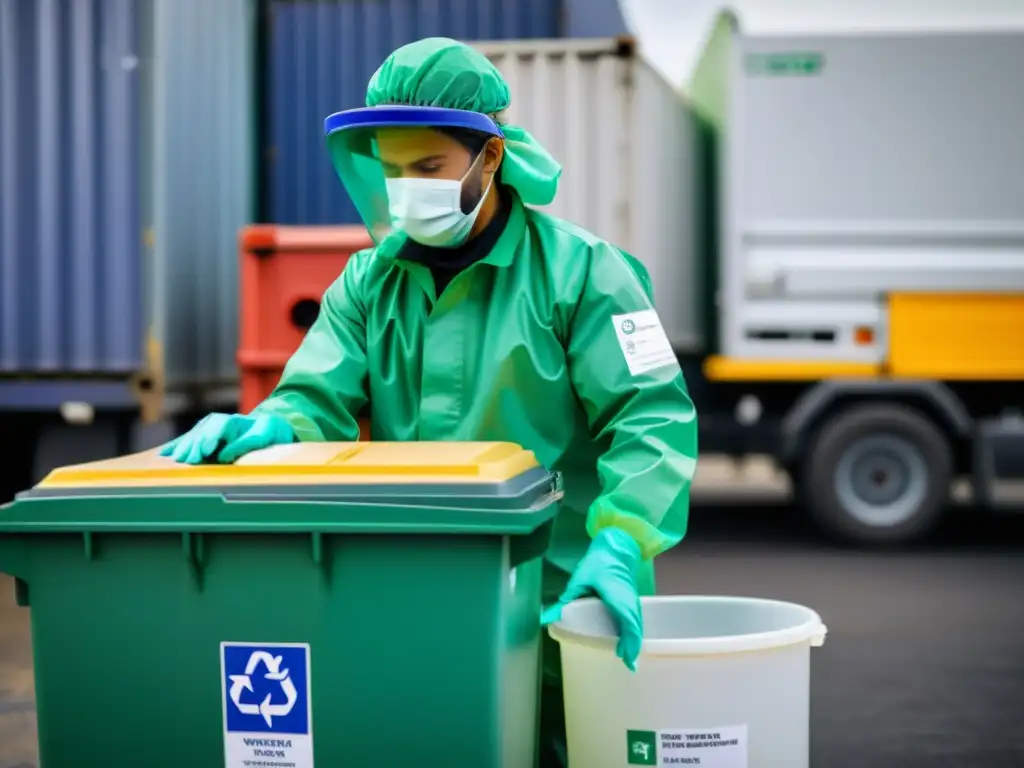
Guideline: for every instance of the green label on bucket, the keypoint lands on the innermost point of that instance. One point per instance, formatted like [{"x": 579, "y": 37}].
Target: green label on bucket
[
  {"x": 642, "y": 747},
  {"x": 720, "y": 747}
]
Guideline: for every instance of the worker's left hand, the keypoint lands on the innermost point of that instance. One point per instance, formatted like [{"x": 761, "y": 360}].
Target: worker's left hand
[{"x": 609, "y": 570}]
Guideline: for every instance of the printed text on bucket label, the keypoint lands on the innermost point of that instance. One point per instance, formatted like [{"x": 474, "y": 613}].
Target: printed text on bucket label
[{"x": 720, "y": 747}]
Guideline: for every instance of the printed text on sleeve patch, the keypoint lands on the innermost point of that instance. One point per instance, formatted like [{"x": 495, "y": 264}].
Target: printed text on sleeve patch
[{"x": 643, "y": 341}]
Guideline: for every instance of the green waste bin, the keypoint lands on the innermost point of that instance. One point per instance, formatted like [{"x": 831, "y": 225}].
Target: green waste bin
[{"x": 348, "y": 604}]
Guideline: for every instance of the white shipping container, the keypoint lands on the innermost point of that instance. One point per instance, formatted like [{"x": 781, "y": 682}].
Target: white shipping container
[{"x": 632, "y": 152}]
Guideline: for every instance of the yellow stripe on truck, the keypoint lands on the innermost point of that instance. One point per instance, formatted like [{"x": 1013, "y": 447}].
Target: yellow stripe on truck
[
  {"x": 718, "y": 368},
  {"x": 956, "y": 336}
]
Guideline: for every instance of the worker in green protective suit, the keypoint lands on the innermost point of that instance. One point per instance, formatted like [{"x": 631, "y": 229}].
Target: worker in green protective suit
[{"x": 476, "y": 317}]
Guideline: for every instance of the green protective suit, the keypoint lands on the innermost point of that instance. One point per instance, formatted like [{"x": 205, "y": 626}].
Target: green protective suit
[
  {"x": 522, "y": 347},
  {"x": 528, "y": 345}
]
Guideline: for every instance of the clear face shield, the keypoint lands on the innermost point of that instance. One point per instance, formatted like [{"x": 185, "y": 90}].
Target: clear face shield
[{"x": 404, "y": 171}]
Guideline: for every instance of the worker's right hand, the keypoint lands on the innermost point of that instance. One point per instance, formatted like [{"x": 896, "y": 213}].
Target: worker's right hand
[{"x": 225, "y": 438}]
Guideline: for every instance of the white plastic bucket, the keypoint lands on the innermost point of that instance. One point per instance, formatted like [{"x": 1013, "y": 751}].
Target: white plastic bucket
[{"x": 722, "y": 682}]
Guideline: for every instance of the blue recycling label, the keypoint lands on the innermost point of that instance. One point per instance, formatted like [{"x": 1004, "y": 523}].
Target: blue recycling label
[{"x": 266, "y": 688}]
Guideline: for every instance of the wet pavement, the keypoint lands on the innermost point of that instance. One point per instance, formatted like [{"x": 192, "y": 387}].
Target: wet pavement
[
  {"x": 17, "y": 706},
  {"x": 924, "y": 662}
]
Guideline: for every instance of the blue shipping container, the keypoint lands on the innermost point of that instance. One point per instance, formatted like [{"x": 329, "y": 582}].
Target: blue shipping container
[
  {"x": 594, "y": 19},
  {"x": 322, "y": 53},
  {"x": 70, "y": 298},
  {"x": 199, "y": 150}
]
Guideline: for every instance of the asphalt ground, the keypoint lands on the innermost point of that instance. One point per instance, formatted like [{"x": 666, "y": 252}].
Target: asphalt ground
[{"x": 924, "y": 661}]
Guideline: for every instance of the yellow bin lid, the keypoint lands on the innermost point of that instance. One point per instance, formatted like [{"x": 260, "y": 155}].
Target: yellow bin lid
[
  {"x": 309, "y": 464},
  {"x": 492, "y": 489}
]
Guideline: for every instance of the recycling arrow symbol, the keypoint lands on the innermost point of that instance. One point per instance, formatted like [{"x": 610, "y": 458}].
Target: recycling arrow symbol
[{"x": 240, "y": 683}]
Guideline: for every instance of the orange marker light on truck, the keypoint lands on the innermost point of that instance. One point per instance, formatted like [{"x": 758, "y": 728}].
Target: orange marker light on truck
[{"x": 864, "y": 335}]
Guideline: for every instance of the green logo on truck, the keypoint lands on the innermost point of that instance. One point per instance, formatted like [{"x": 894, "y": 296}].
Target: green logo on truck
[
  {"x": 792, "y": 63},
  {"x": 642, "y": 747}
]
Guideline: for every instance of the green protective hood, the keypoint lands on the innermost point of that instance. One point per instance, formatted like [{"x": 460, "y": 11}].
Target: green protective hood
[{"x": 441, "y": 72}]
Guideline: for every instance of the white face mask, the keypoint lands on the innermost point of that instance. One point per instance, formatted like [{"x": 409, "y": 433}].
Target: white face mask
[{"x": 430, "y": 210}]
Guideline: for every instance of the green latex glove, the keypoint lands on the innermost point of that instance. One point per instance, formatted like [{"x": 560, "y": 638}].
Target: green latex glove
[
  {"x": 608, "y": 569},
  {"x": 225, "y": 438}
]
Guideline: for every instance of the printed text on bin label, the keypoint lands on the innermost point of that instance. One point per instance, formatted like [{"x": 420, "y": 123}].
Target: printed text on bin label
[{"x": 267, "y": 705}]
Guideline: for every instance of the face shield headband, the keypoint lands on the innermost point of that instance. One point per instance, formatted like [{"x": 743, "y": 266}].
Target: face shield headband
[{"x": 350, "y": 137}]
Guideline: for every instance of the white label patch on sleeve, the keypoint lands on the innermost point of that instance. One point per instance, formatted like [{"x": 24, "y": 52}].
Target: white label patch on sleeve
[{"x": 644, "y": 343}]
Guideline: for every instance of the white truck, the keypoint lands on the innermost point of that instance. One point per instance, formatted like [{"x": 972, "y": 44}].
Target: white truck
[{"x": 834, "y": 224}]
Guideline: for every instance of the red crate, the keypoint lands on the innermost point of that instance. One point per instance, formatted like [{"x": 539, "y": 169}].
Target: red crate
[{"x": 284, "y": 273}]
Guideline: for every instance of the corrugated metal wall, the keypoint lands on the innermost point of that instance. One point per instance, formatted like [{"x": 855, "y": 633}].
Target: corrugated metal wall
[
  {"x": 630, "y": 148},
  {"x": 574, "y": 97},
  {"x": 199, "y": 180},
  {"x": 322, "y": 54},
  {"x": 70, "y": 298},
  {"x": 673, "y": 219}
]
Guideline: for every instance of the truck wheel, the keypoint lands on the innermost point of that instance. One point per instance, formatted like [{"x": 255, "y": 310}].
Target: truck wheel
[{"x": 877, "y": 474}]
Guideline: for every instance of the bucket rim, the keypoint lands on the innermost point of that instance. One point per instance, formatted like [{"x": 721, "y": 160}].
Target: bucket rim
[{"x": 812, "y": 630}]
